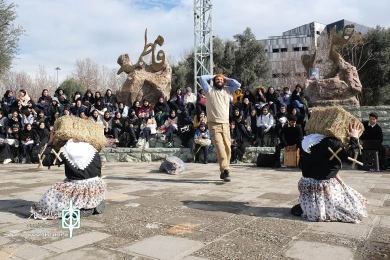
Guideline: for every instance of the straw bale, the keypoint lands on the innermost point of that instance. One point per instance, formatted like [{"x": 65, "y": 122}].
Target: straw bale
[
  {"x": 80, "y": 130},
  {"x": 333, "y": 122}
]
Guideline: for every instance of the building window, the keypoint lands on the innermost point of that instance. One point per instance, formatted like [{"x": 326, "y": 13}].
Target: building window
[
  {"x": 275, "y": 50},
  {"x": 318, "y": 32},
  {"x": 297, "y": 49},
  {"x": 283, "y": 50},
  {"x": 266, "y": 50},
  {"x": 305, "y": 48},
  {"x": 274, "y": 76}
]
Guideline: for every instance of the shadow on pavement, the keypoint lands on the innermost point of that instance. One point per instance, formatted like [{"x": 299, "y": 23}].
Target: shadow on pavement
[
  {"x": 242, "y": 208},
  {"x": 21, "y": 208},
  {"x": 216, "y": 182}
]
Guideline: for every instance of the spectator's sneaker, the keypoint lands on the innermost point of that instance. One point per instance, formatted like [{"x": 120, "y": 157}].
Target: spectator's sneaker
[
  {"x": 170, "y": 145},
  {"x": 24, "y": 160},
  {"x": 116, "y": 141},
  {"x": 182, "y": 146},
  {"x": 7, "y": 161},
  {"x": 179, "y": 111},
  {"x": 162, "y": 138},
  {"x": 272, "y": 143},
  {"x": 16, "y": 160},
  {"x": 262, "y": 143},
  {"x": 233, "y": 162},
  {"x": 146, "y": 146},
  {"x": 227, "y": 176}
]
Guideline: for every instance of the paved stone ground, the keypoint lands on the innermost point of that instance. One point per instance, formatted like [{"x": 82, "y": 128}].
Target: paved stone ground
[{"x": 193, "y": 216}]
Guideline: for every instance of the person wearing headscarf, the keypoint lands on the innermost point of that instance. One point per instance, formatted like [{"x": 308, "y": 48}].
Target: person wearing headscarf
[
  {"x": 44, "y": 100},
  {"x": 201, "y": 117},
  {"x": 11, "y": 144},
  {"x": 76, "y": 96},
  {"x": 185, "y": 126},
  {"x": 88, "y": 99},
  {"x": 124, "y": 110},
  {"x": 146, "y": 106},
  {"x": 171, "y": 127},
  {"x": 148, "y": 127},
  {"x": 136, "y": 107},
  {"x": 189, "y": 100},
  {"x": 99, "y": 107},
  {"x": 237, "y": 143},
  {"x": 249, "y": 95},
  {"x": 96, "y": 117},
  {"x": 3, "y": 126},
  {"x": 176, "y": 101},
  {"x": 60, "y": 95},
  {"x": 7, "y": 102},
  {"x": 54, "y": 107},
  {"x": 41, "y": 134},
  {"x": 161, "y": 111},
  {"x": 110, "y": 101},
  {"x": 298, "y": 100},
  {"x": 107, "y": 124},
  {"x": 78, "y": 108},
  {"x": 23, "y": 97},
  {"x": 201, "y": 133},
  {"x": 27, "y": 143},
  {"x": 265, "y": 124},
  {"x": 132, "y": 124},
  {"x": 272, "y": 100},
  {"x": 201, "y": 101},
  {"x": 118, "y": 126}
]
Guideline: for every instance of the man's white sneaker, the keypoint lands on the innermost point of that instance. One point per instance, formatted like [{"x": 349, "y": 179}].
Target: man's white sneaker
[
  {"x": 162, "y": 138},
  {"x": 170, "y": 145},
  {"x": 24, "y": 160},
  {"x": 7, "y": 161}
]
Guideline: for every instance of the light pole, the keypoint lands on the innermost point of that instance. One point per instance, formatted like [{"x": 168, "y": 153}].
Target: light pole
[{"x": 57, "y": 69}]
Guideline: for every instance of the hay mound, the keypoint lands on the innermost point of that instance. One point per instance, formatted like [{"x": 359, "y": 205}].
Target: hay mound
[
  {"x": 333, "y": 122},
  {"x": 80, "y": 130}
]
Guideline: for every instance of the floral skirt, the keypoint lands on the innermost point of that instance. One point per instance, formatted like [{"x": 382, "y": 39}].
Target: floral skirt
[
  {"x": 328, "y": 200},
  {"x": 86, "y": 194}
]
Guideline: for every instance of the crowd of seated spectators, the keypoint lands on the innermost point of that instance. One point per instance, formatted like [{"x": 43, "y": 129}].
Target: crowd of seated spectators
[{"x": 25, "y": 124}]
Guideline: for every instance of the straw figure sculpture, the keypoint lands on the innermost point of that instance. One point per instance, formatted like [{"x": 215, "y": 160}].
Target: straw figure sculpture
[
  {"x": 79, "y": 130},
  {"x": 333, "y": 122}
]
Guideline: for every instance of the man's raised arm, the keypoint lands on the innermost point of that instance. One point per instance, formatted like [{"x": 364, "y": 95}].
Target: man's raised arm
[
  {"x": 233, "y": 85},
  {"x": 203, "y": 82}
]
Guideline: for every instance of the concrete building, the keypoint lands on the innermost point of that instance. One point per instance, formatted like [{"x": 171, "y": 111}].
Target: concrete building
[{"x": 285, "y": 51}]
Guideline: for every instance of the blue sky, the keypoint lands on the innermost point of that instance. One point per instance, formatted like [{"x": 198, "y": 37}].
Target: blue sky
[{"x": 61, "y": 31}]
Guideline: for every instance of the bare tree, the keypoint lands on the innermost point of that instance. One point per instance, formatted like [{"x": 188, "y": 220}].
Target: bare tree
[
  {"x": 42, "y": 81},
  {"x": 87, "y": 73},
  {"x": 288, "y": 70}
]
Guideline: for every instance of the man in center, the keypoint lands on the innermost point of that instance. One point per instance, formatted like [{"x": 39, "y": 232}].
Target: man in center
[{"x": 217, "y": 108}]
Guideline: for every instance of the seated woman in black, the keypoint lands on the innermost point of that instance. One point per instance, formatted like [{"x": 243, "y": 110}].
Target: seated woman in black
[
  {"x": 237, "y": 146},
  {"x": 323, "y": 195}
]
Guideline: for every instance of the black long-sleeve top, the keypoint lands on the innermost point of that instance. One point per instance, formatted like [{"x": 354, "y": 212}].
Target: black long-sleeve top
[
  {"x": 92, "y": 170},
  {"x": 372, "y": 133},
  {"x": 41, "y": 136},
  {"x": 291, "y": 135},
  {"x": 316, "y": 164}
]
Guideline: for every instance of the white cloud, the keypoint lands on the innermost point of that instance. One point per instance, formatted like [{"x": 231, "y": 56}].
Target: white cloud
[{"x": 61, "y": 31}]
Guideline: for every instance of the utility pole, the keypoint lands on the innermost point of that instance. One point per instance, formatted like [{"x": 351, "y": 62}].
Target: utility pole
[
  {"x": 57, "y": 69},
  {"x": 203, "y": 40}
]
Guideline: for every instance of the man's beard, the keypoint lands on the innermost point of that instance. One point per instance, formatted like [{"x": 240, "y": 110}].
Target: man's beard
[{"x": 218, "y": 85}]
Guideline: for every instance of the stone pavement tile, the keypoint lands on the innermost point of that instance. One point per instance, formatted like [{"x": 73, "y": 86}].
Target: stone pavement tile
[
  {"x": 331, "y": 239},
  {"x": 89, "y": 253},
  {"x": 193, "y": 258},
  {"x": 378, "y": 190},
  {"x": 4, "y": 240},
  {"x": 27, "y": 251},
  {"x": 164, "y": 247},
  {"x": 199, "y": 191},
  {"x": 246, "y": 196},
  {"x": 76, "y": 242},
  {"x": 305, "y": 250},
  {"x": 11, "y": 218},
  {"x": 359, "y": 231},
  {"x": 385, "y": 222},
  {"x": 279, "y": 196},
  {"x": 245, "y": 244},
  {"x": 278, "y": 226},
  {"x": 380, "y": 234},
  {"x": 8, "y": 253},
  {"x": 115, "y": 196}
]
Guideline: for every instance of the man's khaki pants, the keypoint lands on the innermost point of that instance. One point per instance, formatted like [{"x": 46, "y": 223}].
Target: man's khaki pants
[{"x": 220, "y": 137}]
